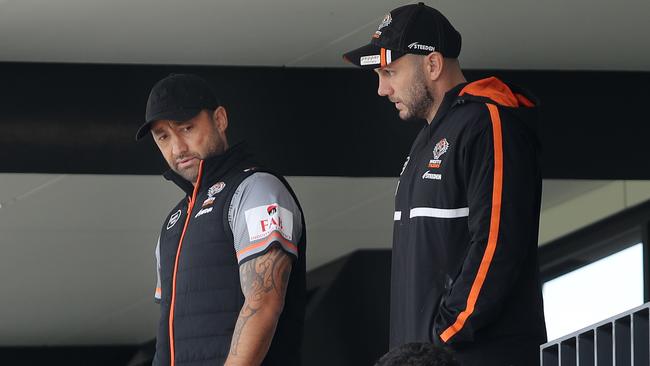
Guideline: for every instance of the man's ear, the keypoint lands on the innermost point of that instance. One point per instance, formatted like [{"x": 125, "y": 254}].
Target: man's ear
[
  {"x": 435, "y": 62},
  {"x": 220, "y": 117}
]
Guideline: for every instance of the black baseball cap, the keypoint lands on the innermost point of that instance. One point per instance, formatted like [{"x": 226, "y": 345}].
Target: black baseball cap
[
  {"x": 178, "y": 97},
  {"x": 417, "y": 28}
]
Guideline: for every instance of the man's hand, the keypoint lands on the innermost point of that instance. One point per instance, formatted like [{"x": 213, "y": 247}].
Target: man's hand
[{"x": 264, "y": 283}]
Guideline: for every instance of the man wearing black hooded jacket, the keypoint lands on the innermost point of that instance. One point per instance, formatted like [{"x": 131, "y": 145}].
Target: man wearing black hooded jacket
[{"x": 464, "y": 266}]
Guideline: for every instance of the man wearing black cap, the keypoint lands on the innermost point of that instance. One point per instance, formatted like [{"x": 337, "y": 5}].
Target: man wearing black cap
[
  {"x": 464, "y": 265},
  {"x": 231, "y": 254}
]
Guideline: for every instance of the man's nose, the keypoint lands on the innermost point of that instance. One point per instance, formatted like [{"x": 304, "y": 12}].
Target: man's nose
[
  {"x": 384, "y": 88},
  {"x": 179, "y": 147}
]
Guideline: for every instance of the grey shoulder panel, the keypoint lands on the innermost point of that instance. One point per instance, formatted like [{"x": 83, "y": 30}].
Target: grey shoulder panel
[{"x": 263, "y": 212}]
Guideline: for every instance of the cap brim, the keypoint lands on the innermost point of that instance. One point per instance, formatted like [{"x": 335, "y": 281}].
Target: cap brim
[
  {"x": 371, "y": 56},
  {"x": 179, "y": 116}
]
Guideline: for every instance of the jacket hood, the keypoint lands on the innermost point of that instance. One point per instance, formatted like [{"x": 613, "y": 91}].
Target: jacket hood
[
  {"x": 496, "y": 91},
  {"x": 515, "y": 101}
]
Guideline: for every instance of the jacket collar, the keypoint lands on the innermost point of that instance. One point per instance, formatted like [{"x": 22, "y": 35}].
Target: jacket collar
[
  {"x": 213, "y": 168},
  {"x": 448, "y": 101}
]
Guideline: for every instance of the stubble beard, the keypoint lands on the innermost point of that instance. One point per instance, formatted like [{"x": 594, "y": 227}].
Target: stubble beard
[
  {"x": 192, "y": 174},
  {"x": 420, "y": 99}
]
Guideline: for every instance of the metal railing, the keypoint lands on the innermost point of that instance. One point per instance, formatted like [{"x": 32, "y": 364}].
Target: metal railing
[{"x": 622, "y": 340}]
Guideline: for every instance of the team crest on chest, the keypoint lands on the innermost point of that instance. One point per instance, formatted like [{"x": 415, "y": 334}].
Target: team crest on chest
[
  {"x": 438, "y": 151},
  {"x": 218, "y": 187},
  {"x": 214, "y": 190}
]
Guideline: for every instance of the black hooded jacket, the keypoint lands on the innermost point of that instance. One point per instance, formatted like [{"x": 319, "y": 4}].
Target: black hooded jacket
[{"x": 464, "y": 269}]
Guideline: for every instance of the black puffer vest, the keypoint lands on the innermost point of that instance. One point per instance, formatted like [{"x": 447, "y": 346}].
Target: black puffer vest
[{"x": 199, "y": 273}]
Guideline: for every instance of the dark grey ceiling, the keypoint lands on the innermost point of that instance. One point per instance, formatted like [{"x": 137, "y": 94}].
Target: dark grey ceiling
[{"x": 503, "y": 34}]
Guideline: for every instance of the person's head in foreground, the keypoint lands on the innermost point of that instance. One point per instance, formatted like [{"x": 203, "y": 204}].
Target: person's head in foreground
[{"x": 417, "y": 354}]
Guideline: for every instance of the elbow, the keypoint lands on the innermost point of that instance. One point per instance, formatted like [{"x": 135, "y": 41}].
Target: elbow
[
  {"x": 275, "y": 306},
  {"x": 270, "y": 306}
]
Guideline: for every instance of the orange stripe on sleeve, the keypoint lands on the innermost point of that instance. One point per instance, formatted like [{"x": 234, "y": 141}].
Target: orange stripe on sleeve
[
  {"x": 275, "y": 236},
  {"x": 493, "y": 237}
]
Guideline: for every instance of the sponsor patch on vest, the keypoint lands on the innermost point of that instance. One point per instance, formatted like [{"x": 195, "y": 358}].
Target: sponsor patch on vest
[
  {"x": 264, "y": 220},
  {"x": 203, "y": 211},
  {"x": 173, "y": 219},
  {"x": 208, "y": 202}
]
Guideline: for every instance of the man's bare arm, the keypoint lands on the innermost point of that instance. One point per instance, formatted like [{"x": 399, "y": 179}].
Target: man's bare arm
[{"x": 264, "y": 283}]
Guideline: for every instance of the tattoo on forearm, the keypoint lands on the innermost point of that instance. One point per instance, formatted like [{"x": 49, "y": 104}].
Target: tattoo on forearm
[
  {"x": 246, "y": 313},
  {"x": 258, "y": 277}
]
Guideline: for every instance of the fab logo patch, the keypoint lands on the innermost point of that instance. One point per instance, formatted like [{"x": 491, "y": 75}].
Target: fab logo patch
[{"x": 261, "y": 221}]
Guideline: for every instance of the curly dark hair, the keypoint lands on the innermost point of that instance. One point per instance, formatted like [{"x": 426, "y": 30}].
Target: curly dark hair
[{"x": 417, "y": 354}]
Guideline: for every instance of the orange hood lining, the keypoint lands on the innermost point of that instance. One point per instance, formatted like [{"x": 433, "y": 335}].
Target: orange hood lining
[{"x": 497, "y": 91}]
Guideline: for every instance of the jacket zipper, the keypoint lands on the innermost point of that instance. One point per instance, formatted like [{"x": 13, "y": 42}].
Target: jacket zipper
[{"x": 172, "y": 306}]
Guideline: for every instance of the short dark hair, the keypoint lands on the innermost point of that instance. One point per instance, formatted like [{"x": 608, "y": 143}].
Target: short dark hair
[{"x": 417, "y": 354}]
